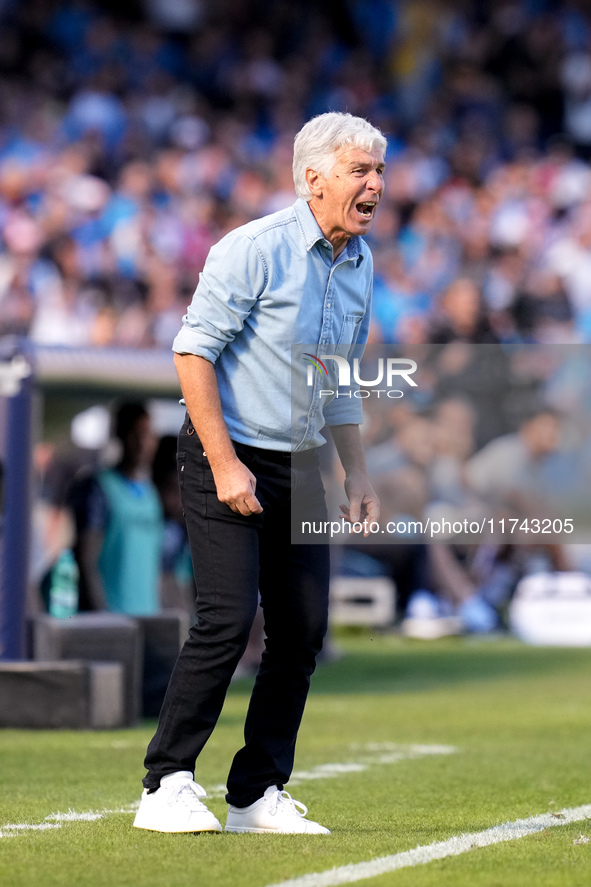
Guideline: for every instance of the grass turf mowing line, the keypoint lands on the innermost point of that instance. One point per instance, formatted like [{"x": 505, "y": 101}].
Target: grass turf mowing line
[
  {"x": 509, "y": 831},
  {"x": 520, "y": 716},
  {"x": 380, "y": 754},
  {"x": 376, "y": 753}
]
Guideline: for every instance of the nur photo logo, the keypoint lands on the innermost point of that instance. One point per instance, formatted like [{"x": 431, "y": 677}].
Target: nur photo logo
[{"x": 388, "y": 369}]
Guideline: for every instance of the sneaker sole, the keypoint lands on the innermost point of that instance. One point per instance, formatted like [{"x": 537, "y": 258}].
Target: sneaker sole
[
  {"x": 267, "y": 831},
  {"x": 179, "y": 831}
]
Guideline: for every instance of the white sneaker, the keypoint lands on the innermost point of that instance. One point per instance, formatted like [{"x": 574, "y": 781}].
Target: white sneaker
[
  {"x": 176, "y": 807},
  {"x": 276, "y": 812}
]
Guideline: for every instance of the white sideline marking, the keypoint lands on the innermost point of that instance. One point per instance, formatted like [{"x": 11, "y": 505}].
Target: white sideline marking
[
  {"x": 14, "y": 829},
  {"x": 391, "y": 753},
  {"x": 509, "y": 831},
  {"x": 54, "y": 820},
  {"x": 375, "y": 753},
  {"x": 71, "y": 816}
]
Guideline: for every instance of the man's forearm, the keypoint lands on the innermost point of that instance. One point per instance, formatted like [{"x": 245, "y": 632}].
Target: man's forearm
[
  {"x": 363, "y": 502},
  {"x": 347, "y": 439},
  {"x": 235, "y": 483},
  {"x": 200, "y": 390}
]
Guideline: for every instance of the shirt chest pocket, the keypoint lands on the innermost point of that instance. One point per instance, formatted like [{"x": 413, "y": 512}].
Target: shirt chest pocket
[{"x": 349, "y": 329}]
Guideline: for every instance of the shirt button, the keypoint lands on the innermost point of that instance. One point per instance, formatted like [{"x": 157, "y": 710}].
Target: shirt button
[{"x": 329, "y": 304}]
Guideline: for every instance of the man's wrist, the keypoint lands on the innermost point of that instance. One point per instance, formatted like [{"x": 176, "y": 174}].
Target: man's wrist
[
  {"x": 355, "y": 471},
  {"x": 223, "y": 461}
]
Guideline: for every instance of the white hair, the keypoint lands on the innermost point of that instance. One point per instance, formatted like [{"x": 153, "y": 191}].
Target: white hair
[{"x": 318, "y": 141}]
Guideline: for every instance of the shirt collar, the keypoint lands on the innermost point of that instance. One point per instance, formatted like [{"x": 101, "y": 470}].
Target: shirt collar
[{"x": 312, "y": 232}]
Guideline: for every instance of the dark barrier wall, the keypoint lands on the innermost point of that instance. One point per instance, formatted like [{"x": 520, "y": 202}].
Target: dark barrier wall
[{"x": 15, "y": 521}]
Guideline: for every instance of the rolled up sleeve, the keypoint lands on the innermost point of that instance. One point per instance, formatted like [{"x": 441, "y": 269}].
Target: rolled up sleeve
[
  {"x": 344, "y": 411},
  {"x": 232, "y": 280}
]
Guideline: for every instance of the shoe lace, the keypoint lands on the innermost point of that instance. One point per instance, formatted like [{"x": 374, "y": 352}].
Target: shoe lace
[
  {"x": 189, "y": 793},
  {"x": 282, "y": 803}
]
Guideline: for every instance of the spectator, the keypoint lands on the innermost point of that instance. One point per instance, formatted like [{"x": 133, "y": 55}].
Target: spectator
[
  {"x": 508, "y": 471},
  {"x": 119, "y": 527},
  {"x": 461, "y": 316},
  {"x": 177, "y": 587}
]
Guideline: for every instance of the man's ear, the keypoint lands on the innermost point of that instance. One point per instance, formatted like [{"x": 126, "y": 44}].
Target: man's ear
[{"x": 314, "y": 181}]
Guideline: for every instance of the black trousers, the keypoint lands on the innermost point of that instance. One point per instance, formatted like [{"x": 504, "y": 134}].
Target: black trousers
[{"x": 235, "y": 558}]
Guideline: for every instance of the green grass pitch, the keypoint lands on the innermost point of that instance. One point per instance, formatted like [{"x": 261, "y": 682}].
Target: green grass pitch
[{"x": 518, "y": 718}]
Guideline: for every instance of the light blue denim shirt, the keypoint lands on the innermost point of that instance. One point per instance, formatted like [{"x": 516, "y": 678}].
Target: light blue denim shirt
[{"x": 267, "y": 286}]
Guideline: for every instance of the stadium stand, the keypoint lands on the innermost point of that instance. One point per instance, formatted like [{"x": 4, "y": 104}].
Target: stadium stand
[{"x": 134, "y": 135}]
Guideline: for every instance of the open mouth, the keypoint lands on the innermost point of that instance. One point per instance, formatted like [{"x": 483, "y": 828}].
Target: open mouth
[{"x": 366, "y": 209}]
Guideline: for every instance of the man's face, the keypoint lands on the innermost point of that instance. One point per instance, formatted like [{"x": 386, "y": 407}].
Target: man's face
[{"x": 344, "y": 203}]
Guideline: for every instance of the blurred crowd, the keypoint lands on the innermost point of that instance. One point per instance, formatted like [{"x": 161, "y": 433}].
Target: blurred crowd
[
  {"x": 133, "y": 135},
  {"x": 494, "y": 437}
]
